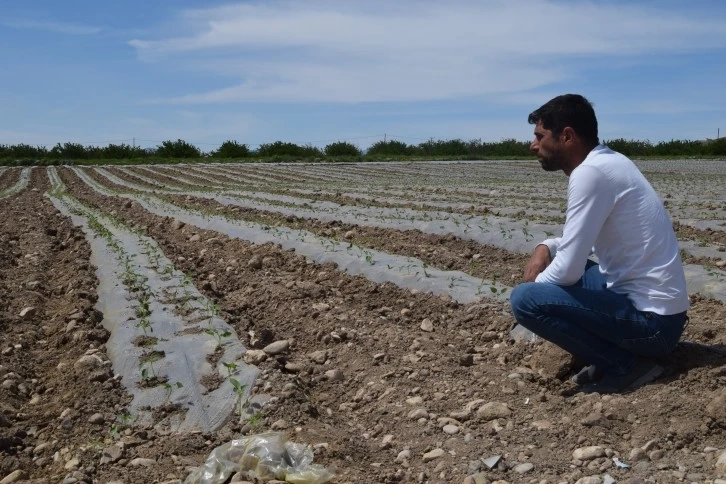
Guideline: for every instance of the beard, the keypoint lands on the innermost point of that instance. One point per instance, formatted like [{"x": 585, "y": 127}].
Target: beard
[
  {"x": 551, "y": 161},
  {"x": 548, "y": 164}
]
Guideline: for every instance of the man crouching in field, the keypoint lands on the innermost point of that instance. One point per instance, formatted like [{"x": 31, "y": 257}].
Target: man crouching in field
[{"x": 620, "y": 313}]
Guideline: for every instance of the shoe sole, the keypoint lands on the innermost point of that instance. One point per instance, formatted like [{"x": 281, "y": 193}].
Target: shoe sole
[{"x": 648, "y": 377}]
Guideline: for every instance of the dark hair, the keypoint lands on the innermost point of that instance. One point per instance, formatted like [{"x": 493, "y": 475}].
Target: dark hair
[{"x": 570, "y": 110}]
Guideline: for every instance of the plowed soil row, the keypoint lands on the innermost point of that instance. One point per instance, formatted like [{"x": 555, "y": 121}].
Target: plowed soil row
[
  {"x": 47, "y": 323},
  {"x": 9, "y": 177}
]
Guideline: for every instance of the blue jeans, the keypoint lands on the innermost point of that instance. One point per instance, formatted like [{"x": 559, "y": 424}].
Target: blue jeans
[{"x": 595, "y": 324}]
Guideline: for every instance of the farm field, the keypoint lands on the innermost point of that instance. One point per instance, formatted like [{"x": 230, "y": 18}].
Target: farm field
[{"x": 358, "y": 308}]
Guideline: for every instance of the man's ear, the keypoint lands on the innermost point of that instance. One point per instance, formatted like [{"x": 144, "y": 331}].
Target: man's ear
[{"x": 568, "y": 134}]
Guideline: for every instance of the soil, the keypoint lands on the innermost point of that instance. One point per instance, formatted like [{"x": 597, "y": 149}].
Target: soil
[
  {"x": 8, "y": 177},
  {"x": 386, "y": 393}
]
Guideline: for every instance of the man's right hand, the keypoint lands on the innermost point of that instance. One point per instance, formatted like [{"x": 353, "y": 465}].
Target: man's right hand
[{"x": 537, "y": 263}]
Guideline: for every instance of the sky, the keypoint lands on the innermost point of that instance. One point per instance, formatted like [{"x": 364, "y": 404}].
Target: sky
[{"x": 321, "y": 71}]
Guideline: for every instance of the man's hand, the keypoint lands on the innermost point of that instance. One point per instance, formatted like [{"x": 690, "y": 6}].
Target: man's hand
[{"x": 537, "y": 263}]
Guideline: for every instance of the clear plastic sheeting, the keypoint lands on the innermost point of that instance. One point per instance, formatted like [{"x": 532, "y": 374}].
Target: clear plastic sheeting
[
  {"x": 183, "y": 342},
  {"x": 21, "y": 184},
  {"x": 376, "y": 266},
  {"x": 262, "y": 457}
]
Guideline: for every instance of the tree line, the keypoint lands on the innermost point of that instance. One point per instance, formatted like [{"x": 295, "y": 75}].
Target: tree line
[{"x": 454, "y": 149}]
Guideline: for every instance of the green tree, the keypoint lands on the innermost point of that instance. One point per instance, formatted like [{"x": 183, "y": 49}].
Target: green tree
[
  {"x": 231, "y": 149},
  {"x": 177, "y": 149},
  {"x": 390, "y": 148},
  {"x": 69, "y": 151},
  {"x": 342, "y": 148}
]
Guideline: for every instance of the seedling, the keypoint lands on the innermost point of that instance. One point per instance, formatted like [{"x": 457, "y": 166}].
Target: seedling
[
  {"x": 169, "y": 388},
  {"x": 123, "y": 421},
  {"x": 231, "y": 367},
  {"x": 145, "y": 325},
  {"x": 239, "y": 389},
  {"x": 218, "y": 334}
]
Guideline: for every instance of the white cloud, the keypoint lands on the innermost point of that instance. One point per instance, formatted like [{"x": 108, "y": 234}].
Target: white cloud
[
  {"x": 55, "y": 27},
  {"x": 349, "y": 51}
]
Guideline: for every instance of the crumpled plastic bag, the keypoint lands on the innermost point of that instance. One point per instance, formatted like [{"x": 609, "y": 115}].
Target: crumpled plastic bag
[
  {"x": 521, "y": 334},
  {"x": 265, "y": 456}
]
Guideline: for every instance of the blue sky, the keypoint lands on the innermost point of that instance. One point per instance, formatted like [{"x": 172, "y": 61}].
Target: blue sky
[{"x": 318, "y": 71}]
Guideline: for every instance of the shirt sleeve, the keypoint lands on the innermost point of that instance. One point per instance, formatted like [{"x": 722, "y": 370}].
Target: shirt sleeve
[{"x": 590, "y": 199}]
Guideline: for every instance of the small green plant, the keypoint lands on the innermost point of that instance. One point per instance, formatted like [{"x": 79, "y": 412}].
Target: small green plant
[
  {"x": 123, "y": 421},
  {"x": 147, "y": 364},
  {"x": 217, "y": 334},
  {"x": 239, "y": 389},
  {"x": 169, "y": 388},
  {"x": 145, "y": 325},
  {"x": 231, "y": 367}
]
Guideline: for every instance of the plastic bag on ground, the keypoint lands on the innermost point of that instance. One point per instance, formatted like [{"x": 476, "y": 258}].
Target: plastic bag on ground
[
  {"x": 521, "y": 334},
  {"x": 264, "y": 457}
]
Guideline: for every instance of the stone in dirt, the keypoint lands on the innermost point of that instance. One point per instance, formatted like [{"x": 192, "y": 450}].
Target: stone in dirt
[
  {"x": 716, "y": 409},
  {"x": 427, "y": 325},
  {"x": 721, "y": 463},
  {"x": 588, "y": 453},
  {"x": 255, "y": 357},
  {"x": 15, "y": 476},
  {"x": 550, "y": 360},
  {"x": 278, "y": 347},
  {"x": 433, "y": 454},
  {"x": 28, "y": 313},
  {"x": 493, "y": 410}
]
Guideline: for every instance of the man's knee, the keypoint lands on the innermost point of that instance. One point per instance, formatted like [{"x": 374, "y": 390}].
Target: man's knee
[{"x": 521, "y": 299}]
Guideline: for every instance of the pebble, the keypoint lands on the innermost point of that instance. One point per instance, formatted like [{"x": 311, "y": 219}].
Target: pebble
[
  {"x": 493, "y": 410},
  {"x": 451, "y": 429},
  {"x": 588, "y": 453},
  {"x": 656, "y": 455},
  {"x": 15, "y": 476},
  {"x": 318, "y": 357},
  {"x": 96, "y": 418},
  {"x": 279, "y": 424},
  {"x": 141, "y": 462},
  {"x": 28, "y": 313},
  {"x": 589, "y": 480},
  {"x": 112, "y": 453},
  {"x": 88, "y": 362},
  {"x": 637, "y": 454},
  {"x": 523, "y": 468},
  {"x": 278, "y": 347},
  {"x": 433, "y": 454},
  {"x": 427, "y": 325},
  {"x": 721, "y": 463},
  {"x": 478, "y": 478},
  {"x": 255, "y": 357},
  {"x": 418, "y": 413},
  {"x": 334, "y": 375},
  {"x": 417, "y": 400},
  {"x": 542, "y": 425},
  {"x": 404, "y": 455},
  {"x": 294, "y": 367}
]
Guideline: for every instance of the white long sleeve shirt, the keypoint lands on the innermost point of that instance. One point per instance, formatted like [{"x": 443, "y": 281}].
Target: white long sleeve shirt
[{"x": 613, "y": 212}]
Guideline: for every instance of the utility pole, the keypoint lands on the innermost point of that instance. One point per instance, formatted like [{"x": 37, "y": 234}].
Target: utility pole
[
  {"x": 384, "y": 138},
  {"x": 134, "y": 141}
]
